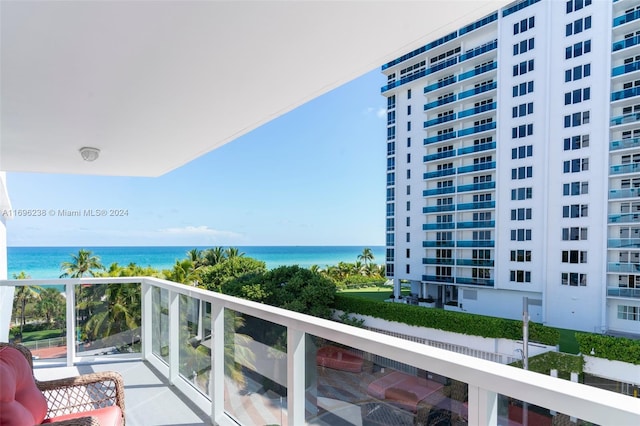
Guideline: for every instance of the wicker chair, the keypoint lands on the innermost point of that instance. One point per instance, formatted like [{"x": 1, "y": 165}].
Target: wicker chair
[{"x": 81, "y": 397}]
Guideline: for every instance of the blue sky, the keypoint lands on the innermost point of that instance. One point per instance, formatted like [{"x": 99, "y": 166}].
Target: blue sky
[{"x": 315, "y": 176}]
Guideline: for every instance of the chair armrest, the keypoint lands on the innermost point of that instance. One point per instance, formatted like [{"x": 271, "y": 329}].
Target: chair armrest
[
  {"x": 80, "y": 421},
  {"x": 83, "y": 393}
]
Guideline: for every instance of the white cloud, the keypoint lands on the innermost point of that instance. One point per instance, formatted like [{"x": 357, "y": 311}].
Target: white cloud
[{"x": 202, "y": 231}]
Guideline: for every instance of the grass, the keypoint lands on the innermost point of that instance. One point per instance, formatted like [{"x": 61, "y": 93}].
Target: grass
[
  {"x": 568, "y": 342},
  {"x": 379, "y": 294},
  {"x": 32, "y": 336}
]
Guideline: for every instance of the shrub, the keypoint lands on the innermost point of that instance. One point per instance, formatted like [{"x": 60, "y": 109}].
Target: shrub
[{"x": 609, "y": 347}]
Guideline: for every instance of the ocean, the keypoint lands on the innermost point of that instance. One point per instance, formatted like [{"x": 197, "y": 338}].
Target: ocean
[{"x": 44, "y": 262}]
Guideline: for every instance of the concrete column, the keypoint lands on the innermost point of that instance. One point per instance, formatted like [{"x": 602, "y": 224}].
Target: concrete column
[
  {"x": 216, "y": 378},
  {"x": 296, "y": 397},
  {"x": 483, "y": 406}
]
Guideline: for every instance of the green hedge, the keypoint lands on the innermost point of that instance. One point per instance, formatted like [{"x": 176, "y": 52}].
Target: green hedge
[
  {"x": 609, "y": 347},
  {"x": 457, "y": 322},
  {"x": 564, "y": 363}
]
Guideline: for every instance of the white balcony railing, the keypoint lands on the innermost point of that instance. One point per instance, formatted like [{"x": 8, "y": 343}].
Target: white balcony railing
[{"x": 175, "y": 314}]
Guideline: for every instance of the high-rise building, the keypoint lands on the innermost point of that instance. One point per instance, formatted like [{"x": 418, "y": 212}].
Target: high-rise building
[{"x": 513, "y": 165}]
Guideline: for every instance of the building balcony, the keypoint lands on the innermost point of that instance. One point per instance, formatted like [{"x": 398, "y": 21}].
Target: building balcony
[
  {"x": 439, "y": 102},
  {"x": 437, "y": 209},
  {"x": 624, "y": 168},
  {"x": 625, "y": 94},
  {"x": 439, "y": 138},
  {"x": 477, "y": 110},
  {"x": 476, "y": 243},
  {"x": 439, "y": 173},
  {"x": 477, "y": 148},
  {"x": 477, "y": 186},
  {"x": 488, "y": 263},
  {"x": 440, "y": 243},
  {"x": 439, "y": 155},
  {"x": 437, "y": 261},
  {"x": 477, "y": 206},
  {"x": 625, "y": 119},
  {"x": 188, "y": 338},
  {"x": 477, "y": 129},
  {"x": 627, "y": 42},
  {"x": 631, "y": 293},
  {"x": 439, "y": 84},
  {"x": 485, "y": 282},
  {"x": 477, "y": 167},
  {"x": 477, "y": 71},
  {"x": 625, "y": 69},
  {"x": 624, "y": 193},
  {"x": 632, "y": 268},
  {"x": 626, "y": 18},
  {"x": 476, "y": 224},
  {"x": 623, "y": 243},
  {"x": 440, "y": 120},
  {"x": 477, "y": 90},
  {"x": 624, "y": 144},
  {"x": 624, "y": 218},
  {"x": 432, "y": 226},
  {"x": 439, "y": 191},
  {"x": 487, "y": 47}
]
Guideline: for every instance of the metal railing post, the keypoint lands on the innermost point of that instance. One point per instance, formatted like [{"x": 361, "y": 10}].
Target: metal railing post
[{"x": 71, "y": 323}]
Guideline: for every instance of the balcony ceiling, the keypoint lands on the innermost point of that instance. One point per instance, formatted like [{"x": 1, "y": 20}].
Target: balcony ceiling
[{"x": 155, "y": 84}]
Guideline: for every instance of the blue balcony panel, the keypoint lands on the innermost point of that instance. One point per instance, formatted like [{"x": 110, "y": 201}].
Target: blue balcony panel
[
  {"x": 633, "y": 293},
  {"x": 442, "y": 65},
  {"x": 626, "y": 18},
  {"x": 404, "y": 80},
  {"x": 439, "y": 155},
  {"x": 477, "y": 110},
  {"x": 440, "y": 138},
  {"x": 481, "y": 23},
  {"x": 624, "y": 168},
  {"x": 433, "y": 226},
  {"x": 420, "y": 50},
  {"x": 437, "y": 261},
  {"x": 475, "y": 281},
  {"x": 627, "y": 268},
  {"x": 477, "y": 186},
  {"x": 438, "y": 209},
  {"x": 438, "y": 191},
  {"x": 624, "y": 193},
  {"x": 624, "y": 243},
  {"x": 492, "y": 45},
  {"x": 476, "y": 243},
  {"x": 440, "y": 102},
  {"x": 477, "y": 90},
  {"x": 476, "y": 148},
  {"x": 625, "y": 94},
  {"x": 477, "y": 167},
  {"x": 448, "y": 243},
  {"x": 440, "y": 120},
  {"x": 625, "y": 69},
  {"x": 518, "y": 6},
  {"x": 438, "y": 279},
  {"x": 476, "y": 224},
  {"x": 477, "y": 71},
  {"x": 627, "y": 42},
  {"x": 624, "y": 218},
  {"x": 621, "y": 144},
  {"x": 477, "y": 206},
  {"x": 477, "y": 129},
  {"x": 624, "y": 119},
  {"x": 475, "y": 262},
  {"x": 440, "y": 84},
  {"x": 439, "y": 173}
]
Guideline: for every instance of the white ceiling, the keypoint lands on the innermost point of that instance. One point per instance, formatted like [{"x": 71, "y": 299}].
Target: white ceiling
[{"x": 155, "y": 84}]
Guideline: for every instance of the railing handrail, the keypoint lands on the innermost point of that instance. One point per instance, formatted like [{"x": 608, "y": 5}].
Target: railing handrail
[{"x": 586, "y": 402}]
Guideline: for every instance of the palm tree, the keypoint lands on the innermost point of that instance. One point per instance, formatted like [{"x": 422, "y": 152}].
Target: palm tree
[
  {"x": 122, "y": 313},
  {"x": 183, "y": 272},
  {"x": 51, "y": 304},
  {"x": 196, "y": 256},
  {"x": 233, "y": 252},
  {"x": 366, "y": 256},
  {"x": 213, "y": 256},
  {"x": 82, "y": 264},
  {"x": 23, "y": 295}
]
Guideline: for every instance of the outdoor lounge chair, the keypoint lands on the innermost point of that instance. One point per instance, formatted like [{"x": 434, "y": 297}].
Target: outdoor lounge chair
[{"x": 90, "y": 399}]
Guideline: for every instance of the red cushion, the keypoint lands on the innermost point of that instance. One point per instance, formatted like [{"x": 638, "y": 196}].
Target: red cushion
[
  {"x": 107, "y": 416},
  {"x": 21, "y": 402}
]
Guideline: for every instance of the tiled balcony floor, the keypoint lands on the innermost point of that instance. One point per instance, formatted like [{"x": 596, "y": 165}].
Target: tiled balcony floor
[{"x": 149, "y": 400}]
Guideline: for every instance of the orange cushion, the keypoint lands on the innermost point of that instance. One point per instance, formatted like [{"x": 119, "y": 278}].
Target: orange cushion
[
  {"x": 107, "y": 416},
  {"x": 21, "y": 402}
]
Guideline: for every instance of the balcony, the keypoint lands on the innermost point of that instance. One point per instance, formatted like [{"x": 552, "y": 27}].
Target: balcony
[
  {"x": 476, "y": 224},
  {"x": 624, "y": 119},
  {"x": 477, "y": 167},
  {"x": 625, "y": 94},
  {"x": 624, "y": 218},
  {"x": 439, "y": 85},
  {"x": 477, "y": 90},
  {"x": 477, "y": 110},
  {"x": 632, "y": 293},
  {"x": 487, "y": 47},
  {"x": 439, "y": 173},
  {"x": 477, "y": 148},
  {"x": 477, "y": 71},
  {"x": 477, "y": 129},
  {"x": 626, "y": 18},
  {"x": 432, "y": 226},
  {"x": 437, "y": 209},
  {"x": 440, "y": 243},
  {"x": 485, "y": 263},
  {"x": 624, "y": 193},
  {"x": 439, "y": 191},
  {"x": 627, "y": 42},
  {"x": 625, "y": 69},
  {"x": 477, "y": 205},
  {"x": 619, "y": 169},
  {"x": 440, "y": 138},
  {"x": 439, "y": 155},
  {"x": 476, "y": 243},
  {"x": 485, "y": 282},
  {"x": 439, "y": 120},
  {"x": 437, "y": 261},
  {"x": 477, "y": 186},
  {"x": 439, "y": 102},
  {"x": 626, "y": 268},
  {"x": 624, "y": 144},
  {"x": 188, "y": 337},
  {"x": 623, "y": 243}
]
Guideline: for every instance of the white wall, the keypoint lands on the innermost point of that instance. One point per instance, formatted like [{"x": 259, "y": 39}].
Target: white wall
[
  {"x": 6, "y": 293},
  {"x": 613, "y": 370}
]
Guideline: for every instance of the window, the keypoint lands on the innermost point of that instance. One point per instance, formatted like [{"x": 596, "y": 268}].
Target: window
[
  {"x": 521, "y": 235},
  {"x": 391, "y": 102},
  {"x": 577, "y": 96},
  {"x": 521, "y": 255},
  {"x": 577, "y": 72},
  {"x": 408, "y": 173},
  {"x": 520, "y": 214},
  {"x": 522, "y": 89},
  {"x": 575, "y": 188},
  {"x": 408, "y": 126},
  {"x": 408, "y": 109},
  {"x": 481, "y": 216},
  {"x": 482, "y": 273},
  {"x": 478, "y": 198},
  {"x": 409, "y": 94},
  {"x": 523, "y": 67},
  {"x": 408, "y": 253},
  {"x": 523, "y": 46},
  {"x": 408, "y": 157},
  {"x": 444, "y": 236},
  {"x": 389, "y": 269},
  {"x": 522, "y": 110},
  {"x": 391, "y": 163},
  {"x": 408, "y": 142},
  {"x": 408, "y": 205},
  {"x": 481, "y": 179},
  {"x": 521, "y": 172},
  {"x": 481, "y": 235},
  {"x": 391, "y": 179},
  {"x": 408, "y": 221},
  {"x": 577, "y": 119},
  {"x": 576, "y": 165},
  {"x": 574, "y": 234},
  {"x": 391, "y": 194},
  {"x": 574, "y": 256},
  {"x": 444, "y": 218},
  {"x": 573, "y": 5},
  {"x": 520, "y": 276},
  {"x": 521, "y": 193},
  {"x": 578, "y": 26},
  {"x": 408, "y": 189},
  {"x": 391, "y": 148},
  {"x": 578, "y": 49},
  {"x": 408, "y": 269},
  {"x": 442, "y": 56},
  {"x": 521, "y": 152},
  {"x": 390, "y": 224},
  {"x": 629, "y": 313},
  {"x": 390, "y": 209},
  {"x": 574, "y": 279},
  {"x": 390, "y": 254},
  {"x": 391, "y": 133},
  {"x": 390, "y": 239},
  {"x": 576, "y": 142},
  {"x": 521, "y": 131},
  {"x": 524, "y": 25},
  {"x": 575, "y": 210}
]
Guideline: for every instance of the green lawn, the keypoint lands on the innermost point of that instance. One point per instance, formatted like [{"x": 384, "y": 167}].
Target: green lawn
[
  {"x": 379, "y": 294},
  {"x": 568, "y": 342},
  {"x": 31, "y": 336}
]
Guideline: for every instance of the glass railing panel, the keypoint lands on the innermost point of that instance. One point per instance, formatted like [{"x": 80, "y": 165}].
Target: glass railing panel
[
  {"x": 624, "y": 119},
  {"x": 623, "y": 292},
  {"x": 437, "y": 261},
  {"x": 440, "y": 120},
  {"x": 625, "y": 69},
  {"x": 624, "y": 193},
  {"x": 440, "y": 102},
  {"x": 476, "y": 129},
  {"x": 40, "y": 316},
  {"x": 624, "y": 218},
  {"x": 108, "y": 318},
  {"x": 624, "y": 144},
  {"x": 625, "y": 168},
  {"x": 475, "y": 281},
  {"x": 624, "y": 242},
  {"x": 478, "y": 205},
  {"x": 477, "y": 167},
  {"x": 477, "y": 90},
  {"x": 476, "y": 186},
  {"x": 432, "y": 226},
  {"x": 623, "y": 267},
  {"x": 440, "y": 173},
  {"x": 477, "y": 71},
  {"x": 627, "y": 42},
  {"x": 436, "y": 209},
  {"x": 439, "y": 155},
  {"x": 627, "y": 17},
  {"x": 476, "y": 224},
  {"x": 477, "y": 110},
  {"x": 160, "y": 330},
  {"x": 477, "y": 148},
  {"x": 255, "y": 364},
  {"x": 438, "y": 191},
  {"x": 440, "y": 138},
  {"x": 476, "y": 243},
  {"x": 515, "y": 412},
  {"x": 195, "y": 346},
  {"x": 624, "y": 94},
  {"x": 439, "y": 84},
  {"x": 479, "y": 50},
  {"x": 447, "y": 243},
  {"x": 438, "y": 278},
  {"x": 475, "y": 262}
]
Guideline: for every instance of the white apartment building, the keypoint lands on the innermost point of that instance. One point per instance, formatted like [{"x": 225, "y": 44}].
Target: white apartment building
[{"x": 513, "y": 165}]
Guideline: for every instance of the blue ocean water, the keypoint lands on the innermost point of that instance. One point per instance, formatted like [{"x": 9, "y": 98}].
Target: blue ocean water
[{"x": 44, "y": 262}]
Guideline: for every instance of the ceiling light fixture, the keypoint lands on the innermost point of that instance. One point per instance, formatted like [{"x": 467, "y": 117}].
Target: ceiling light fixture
[{"x": 89, "y": 154}]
